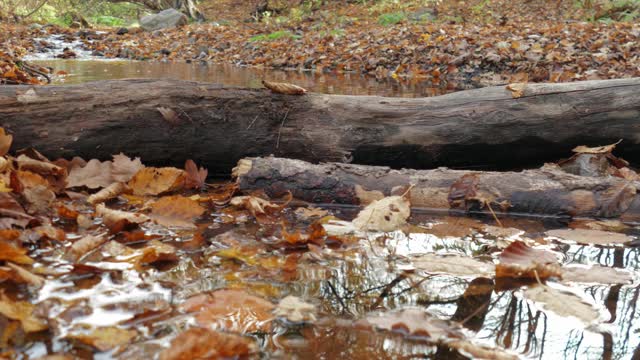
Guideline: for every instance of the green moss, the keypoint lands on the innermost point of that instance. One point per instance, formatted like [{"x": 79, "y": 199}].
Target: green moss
[
  {"x": 282, "y": 34},
  {"x": 391, "y": 18}
]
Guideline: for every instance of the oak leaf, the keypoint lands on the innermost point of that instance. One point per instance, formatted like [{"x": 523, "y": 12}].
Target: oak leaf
[
  {"x": 96, "y": 174},
  {"x": 196, "y": 177},
  {"x": 387, "y": 214},
  {"x": 155, "y": 181},
  {"x": 123, "y": 168}
]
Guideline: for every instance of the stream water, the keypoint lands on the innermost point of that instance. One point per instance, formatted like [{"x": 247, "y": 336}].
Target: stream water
[{"x": 345, "y": 284}]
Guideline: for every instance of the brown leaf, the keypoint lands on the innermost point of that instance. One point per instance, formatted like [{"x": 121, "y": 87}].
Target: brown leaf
[
  {"x": 39, "y": 199},
  {"x": 596, "y": 274},
  {"x": 199, "y": 343},
  {"x": 19, "y": 274},
  {"x": 108, "y": 193},
  {"x": 21, "y": 311},
  {"x": 517, "y": 89},
  {"x": 10, "y": 251},
  {"x": 155, "y": 181},
  {"x": 590, "y": 237},
  {"x": 387, "y": 214},
  {"x": 596, "y": 150},
  {"x": 463, "y": 189},
  {"x": 257, "y": 207},
  {"x": 157, "y": 251},
  {"x": 452, "y": 264},
  {"x": 169, "y": 115},
  {"x": 5, "y": 142},
  {"x": 231, "y": 310},
  {"x": 195, "y": 178},
  {"x": 39, "y": 166},
  {"x": 615, "y": 200},
  {"x": 306, "y": 213},
  {"x": 283, "y": 88},
  {"x": 95, "y": 174},
  {"x": 123, "y": 168},
  {"x": 520, "y": 261},
  {"x": 84, "y": 246},
  {"x": 105, "y": 338},
  {"x": 563, "y": 303},
  {"x": 115, "y": 220},
  {"x": 176, "y": 211}
]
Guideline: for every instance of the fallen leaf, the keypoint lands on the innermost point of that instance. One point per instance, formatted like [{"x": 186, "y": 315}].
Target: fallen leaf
[
  {"x": 462, "y": 190},
  {"x": 21, "y": 311},
  {"x": 155, "y": 181},
  {"x": 157, "y": 251},
  {"x": 5, "y": 142},
  {"x": 39, "y": 199},
  {"x": 231, "y": 310},
  {"x": 18, "y": 274},
  {"x": 283, "y": 88},
  {"x": 257, "y": 207},
  {"x": 169, "y": 115},
  {"x": 452, "y": 264},
  {"x": 517, "y": 89},
  {"x": 414, "y": 322},
  {"x": 85, "y": 245},
  {"x": 196, "y": 178},
  {"x": 115, "y": 220},
  {"x": 590, "y": 237},
  {"x": 123, "y": 168},
  {"x": 105, "y": 338},
  {"x": 596, "y": 150},
  {"x": 108, "y": 193},
  {"x": 596, "y": 274},
  {"x": 176, "y": 211},
  {"x": 295, "y": 310},
  {"x": 615, "y": 200},
  {"x": 199, "y": 343},
  {"x": 39, "y": 166},
  {"x": 387, "y": 214},
  {"x": 521, "y": 261},
  {"x": 562, "y": 303},
  {"x": 306, "y": 213},
  {"x": 9, "y": 251},
  {"x": 96, "y": 174}
]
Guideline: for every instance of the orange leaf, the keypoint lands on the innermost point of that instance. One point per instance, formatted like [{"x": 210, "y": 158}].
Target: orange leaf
[
  {"x": 176, "y": 211},
  {"x": 154, "y": 181},
  {"x": 195, "y": 177}
]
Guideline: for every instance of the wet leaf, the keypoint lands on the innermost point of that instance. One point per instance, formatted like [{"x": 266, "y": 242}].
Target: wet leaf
[
  {"x": 21, "y": 311},
  {"x": 521, "y": 261},
  {"x": 196, "y": 177},
  {"x": 294, "y": 309},
  {"x": 562, "y": 303},
  {"x": 176, "y": 211},
  {"x": 10, "y": 251},
  {"x": 155, "y": 181},
  {"x": 452, "y": 264},
  {"x": 115, "y": 220},
  {"x": 590, "y": 237},
  {"x": 387, "y": 214},
  {"x": 21, "y": 275},
  {"x": 462, "y": 190},
  {"x": 158, "y": 251},
  {"x": 283, "y": 88},
  {"x": 414, "y": 322},
  {"x": 231, "y": 310},
  {"x": 108, "y": 193},
  {"x": 105, "y": 338},
  {"x": 257, "y": 207},
  {"x": 305, "y": 213},
  {"x": 199, "y": 343},
  {"x": 84, "y": 246},
  {"x": 39, "y": 166},
  {"x": 596, "y": 274},
  {"x": 39, "y": 199}
]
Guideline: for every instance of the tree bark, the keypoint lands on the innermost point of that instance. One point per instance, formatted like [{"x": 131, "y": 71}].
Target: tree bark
[
  {"x": 546, "y": 191},
  {"x": 216, "y": 125}
]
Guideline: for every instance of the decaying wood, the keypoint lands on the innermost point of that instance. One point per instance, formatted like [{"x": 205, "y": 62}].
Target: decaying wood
[
  {"x": 216, "y": 125},
  {"x": 545, "y": 191}
]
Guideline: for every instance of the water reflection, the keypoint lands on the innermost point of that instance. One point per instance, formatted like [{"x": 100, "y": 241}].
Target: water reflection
[{"x": 80, "y": 71}]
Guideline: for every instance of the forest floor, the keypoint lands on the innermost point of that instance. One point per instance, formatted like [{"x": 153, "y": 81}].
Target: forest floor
[{"x": 479, "y": 42}]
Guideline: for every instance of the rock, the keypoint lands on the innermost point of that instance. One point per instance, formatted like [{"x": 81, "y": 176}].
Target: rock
[
  {"x": 422, "y": 15},
  {"x": 75, "y": 25},
  {"x": 165, "y": 19},
  {"x": 122, "y": 31}
]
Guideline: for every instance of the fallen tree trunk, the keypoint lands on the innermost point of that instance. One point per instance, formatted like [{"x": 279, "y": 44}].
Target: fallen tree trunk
[
  {"x": 545, "y": 191},
  {"x": 168, "y": 121}
]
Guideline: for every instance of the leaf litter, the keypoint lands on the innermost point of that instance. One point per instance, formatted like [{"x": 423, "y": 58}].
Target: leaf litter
[{"x": 155, "y": 262}]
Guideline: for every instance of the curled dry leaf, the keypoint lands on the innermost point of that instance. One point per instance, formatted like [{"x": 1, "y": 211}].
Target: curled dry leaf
[
  {"x": 452, "y": 264},
  {"x": 108, "y": 193},
  {"x": 590, "y": 237},
  {"x": 200, "y": 343},
  {"x": 39, "y": 199},
  {"x": 155, "y": 181},
  {"x": 20, "y": 275},
  {"x": 562, "y": 303},
  {"x": 462, "y": 190},
  {"x": 38, "y": 166},
  {"x": 117, "y": 219},
  {"x": 176, "y": 210},
  {"x": 521, "y": 261},
  {"x": 231, "y": 310},
  {"x": 306, "y": 213},
  {"x": 157, "y": 251},
  {"x": 95, "y": 174},
  {"x": 387, "y": 214},
  {"x": 21, "y": 311},
  {"x": 295, "y": 310},
  {"x": 196, "y": 177},
  {"x": 5, "y": 142},
  {"x": 284, "y": 88},
  {"x": 596, "y": 150},
  {"x": 11, "y": 251},
  {"x": 105, "y": 338}
]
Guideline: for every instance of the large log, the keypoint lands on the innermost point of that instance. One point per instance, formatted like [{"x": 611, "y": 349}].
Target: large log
[
  {"x": 216, "y": 125},
  {"x": 546, "y": 191}
]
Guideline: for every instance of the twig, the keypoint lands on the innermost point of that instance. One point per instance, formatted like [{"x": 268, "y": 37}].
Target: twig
[
  {"x": 493, "y": 213},
  {"x": 253, "y": 121},
  {"x": 36, "y": 9},
  {"x": 280, "y": 129},
  {"x": 387, "y": 289}
]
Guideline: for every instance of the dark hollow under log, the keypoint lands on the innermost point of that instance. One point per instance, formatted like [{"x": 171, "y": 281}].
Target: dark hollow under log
[
  {"x": 546, "y": 191},
  {"x": 216, "y": 126}
]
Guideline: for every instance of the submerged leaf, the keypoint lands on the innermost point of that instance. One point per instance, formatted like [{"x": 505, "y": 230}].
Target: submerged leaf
[
  {"x": 387, "y": 214},
  {"x": 521, "y": 261},
  {"x": 155, "y": 181},
  {"x": 562, "y": 303},
  {"x": 590, "y": 237},
  {"x": 105, "y": 338},
  {"x": 199, "y": 343},
  {"x": 453, "y": 264},
  {"x": 295, "y": 310},
  {"x": 176, "y": 211}
]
